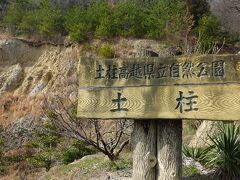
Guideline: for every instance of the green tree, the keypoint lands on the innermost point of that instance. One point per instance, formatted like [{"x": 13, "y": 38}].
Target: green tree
[
  {"x": 165, "y": 18},
  {"x": 16, "y": 10},
  {"x": 81, "y": 22},
  {"x": 50, "y": 18},
  {"x": 100, "y": 18},
  {"x": 98, "y": 11},
  {"x": 76, "y": 23},
  {"x": 46, "y": 142},
  {"x": 128, "y": 18}
]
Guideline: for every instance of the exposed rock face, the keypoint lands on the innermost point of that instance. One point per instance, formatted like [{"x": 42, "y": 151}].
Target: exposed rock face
[
  {"x": 201, "y": 139},
  {"x": 12, "y": 79},
  {"x": 19, "y": 132},
  {"x": 151, "y": 48},
  {"x": 228, "y": 12}
]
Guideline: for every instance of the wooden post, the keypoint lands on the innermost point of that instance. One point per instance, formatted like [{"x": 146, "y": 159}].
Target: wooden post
[
  {"x": 169, "y": 149},
  {"x": 144, "y": 149}
]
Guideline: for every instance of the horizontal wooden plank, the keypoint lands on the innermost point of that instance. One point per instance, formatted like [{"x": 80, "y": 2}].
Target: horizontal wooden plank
[
  {"x": 218, "y": 102},
  {"x": 135, "y": 72}
]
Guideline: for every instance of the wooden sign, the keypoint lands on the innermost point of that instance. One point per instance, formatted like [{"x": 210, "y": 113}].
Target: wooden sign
[{"x": 203, "y": 87}]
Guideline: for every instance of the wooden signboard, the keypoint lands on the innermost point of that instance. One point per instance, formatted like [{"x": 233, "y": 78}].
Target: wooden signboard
[{"x": 202, "y": 87}]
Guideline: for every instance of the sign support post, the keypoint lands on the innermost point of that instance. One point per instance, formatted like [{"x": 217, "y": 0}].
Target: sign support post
[
  {"x": 144, "y": 149},
  {"x": 169, "y": 150},
  {"x": 157, "y": 150}
]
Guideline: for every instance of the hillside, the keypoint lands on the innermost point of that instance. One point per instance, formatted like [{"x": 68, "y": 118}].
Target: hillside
[
  {"x": 39, "y": 56},
  {"x": 31, "y": 73}
]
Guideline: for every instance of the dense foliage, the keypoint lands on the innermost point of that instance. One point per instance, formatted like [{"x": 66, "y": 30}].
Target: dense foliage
[
  {"x": 167, "y": 20},
  {"x": 76, "y": 150},
  {"x": 156, "y": 19}
]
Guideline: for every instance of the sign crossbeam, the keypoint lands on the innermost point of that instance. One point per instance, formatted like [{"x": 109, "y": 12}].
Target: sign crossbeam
[{"x": 202, "y": 87}]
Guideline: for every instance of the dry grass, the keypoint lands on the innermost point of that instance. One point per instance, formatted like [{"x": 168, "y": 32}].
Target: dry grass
[
  {"x": 5, "y": 35},
  {"x": 16, "y": 106}
]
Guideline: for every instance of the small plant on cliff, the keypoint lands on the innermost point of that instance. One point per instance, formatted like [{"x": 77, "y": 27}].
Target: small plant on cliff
[
  {"x": 224, "y": 153},
  {"x": 106, "y": 51}
]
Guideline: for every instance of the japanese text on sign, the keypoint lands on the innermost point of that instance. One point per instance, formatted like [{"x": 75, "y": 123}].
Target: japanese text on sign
[{"x": 155, "y": 71}]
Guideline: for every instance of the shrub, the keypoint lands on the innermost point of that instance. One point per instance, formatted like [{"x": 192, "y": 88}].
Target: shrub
[
  {"x": 106, "y": 51},
  {"x": 224, "y": 153},
  {"x": 76, "y": 151},
  {"x": 209, "y": 32}
]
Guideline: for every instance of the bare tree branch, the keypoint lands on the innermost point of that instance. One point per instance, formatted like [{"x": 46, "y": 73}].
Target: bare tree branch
[{"x": 106, "y": 136}]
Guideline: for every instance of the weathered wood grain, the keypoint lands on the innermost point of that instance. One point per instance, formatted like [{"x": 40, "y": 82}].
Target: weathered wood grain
[
  {"x": 169, "y": 150},
  {"x": 214, "y": 102},
  {"x": 202, "y": 70},
  {"x": 144, "y": 150}
]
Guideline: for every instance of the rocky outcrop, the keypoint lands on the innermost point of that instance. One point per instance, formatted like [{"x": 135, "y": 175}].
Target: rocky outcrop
[
  {"x": 19, "y": 132},
  {"x": 10, "y": 80},
  {"x": 201, "y": 137},
  {"x": 152, "y": 48},
  {"x": 14, "y": 51},
  {"x": 228, "y": 12}
]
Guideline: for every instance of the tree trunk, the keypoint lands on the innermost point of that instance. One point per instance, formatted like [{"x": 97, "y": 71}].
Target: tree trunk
[
  {"x": 169, "y": 147},
  {"x": 144, "y": 149}
]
